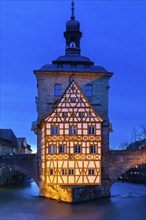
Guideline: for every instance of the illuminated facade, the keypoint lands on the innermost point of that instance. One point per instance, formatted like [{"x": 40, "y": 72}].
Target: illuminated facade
[{"x": 71, "y": 141}]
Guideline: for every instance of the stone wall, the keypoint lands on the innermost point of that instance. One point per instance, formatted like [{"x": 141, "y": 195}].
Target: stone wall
[
  {"x": 99, "y": 100},
  {"x": 46, "y": 98},
  {"x": 72, "y": 194}
]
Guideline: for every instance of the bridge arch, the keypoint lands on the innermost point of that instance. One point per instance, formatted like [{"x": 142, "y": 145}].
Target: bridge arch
[
  {"x": 22, "y": 170},
  {"x": 26, "y": 164}
]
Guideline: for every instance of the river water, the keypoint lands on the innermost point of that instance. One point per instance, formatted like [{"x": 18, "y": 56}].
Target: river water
[{"x": 22, "y": 202}]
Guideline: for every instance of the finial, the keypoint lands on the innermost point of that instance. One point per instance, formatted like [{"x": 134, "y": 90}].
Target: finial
[{"x": 72, "y": 8}]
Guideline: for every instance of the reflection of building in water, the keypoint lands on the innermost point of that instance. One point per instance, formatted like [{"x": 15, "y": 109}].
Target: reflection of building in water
[{"x": 11, "y": 145}]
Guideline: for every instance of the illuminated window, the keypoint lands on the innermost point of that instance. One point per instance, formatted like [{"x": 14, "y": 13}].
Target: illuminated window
[
  {"x": 93, "y": 149},
  {"x": 81, "y": 114},
  {"x": 64, "y": 172},
  {"x": 64, "y": 114},
  {"x": 51, "y": 171},
  {"x": 71, "y": 172},
  {"x": 52, "y": 149},
  {"x": 77, "y": 149},
  {"x": 89, "y": 90},
  {"x": 54, "y": 130},
  {"x": 91, "y": 130},
  {"x": 62, "y": 149},
  {"x": 57, "y": 89},
  {"x": 73, "y": 130},
  {"x": 73, "y": 100},
  {"x": 90, "y": 171}
]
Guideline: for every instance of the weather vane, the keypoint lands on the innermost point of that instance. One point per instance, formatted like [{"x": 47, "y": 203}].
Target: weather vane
[{"x": 72, "y": 8}]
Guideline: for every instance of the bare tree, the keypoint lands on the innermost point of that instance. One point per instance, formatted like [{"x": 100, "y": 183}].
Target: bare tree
[
  {"x": 124, "y": 145},
  {"x": 134, "y": 135},
  {"x": 143, "y": 131}
]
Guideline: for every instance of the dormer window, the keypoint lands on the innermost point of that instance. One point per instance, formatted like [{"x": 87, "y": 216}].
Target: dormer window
[
  {"x": 73, "y": 65},
  {"x": 87, "y": 66},
  {"x": 60, "y": 65},
  {"x": 57, "y": 90}
]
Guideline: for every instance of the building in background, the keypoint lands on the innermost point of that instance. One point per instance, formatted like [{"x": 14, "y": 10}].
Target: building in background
[
  {"x": 138, "y": 173},
  {"x": 11, "y": 145}
]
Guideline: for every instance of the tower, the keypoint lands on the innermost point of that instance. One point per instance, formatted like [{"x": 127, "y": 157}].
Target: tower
[{"x": 72, "y": 125}]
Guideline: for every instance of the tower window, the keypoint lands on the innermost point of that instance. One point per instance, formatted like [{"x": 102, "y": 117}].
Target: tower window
[
  {"x": 92, "y": 149},
  {"x": 57, "y": 89},
  {"x": 73, "y": 130},
  {"x": 54, "y": 130},
  {"x": 77, "y": 149},
  {"x": 52, "y": 149},
  {"x": 91, "y": 130},
  {"x": 62, "y": 149},
  {"x": 89, "y": 90}
]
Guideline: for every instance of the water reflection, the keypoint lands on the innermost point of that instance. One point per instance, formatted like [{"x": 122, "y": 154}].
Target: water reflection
[{"x": 22, "y": 202}]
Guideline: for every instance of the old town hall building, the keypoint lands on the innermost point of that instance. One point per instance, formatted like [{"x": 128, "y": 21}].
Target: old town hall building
[{"x": 73, "y": 125}]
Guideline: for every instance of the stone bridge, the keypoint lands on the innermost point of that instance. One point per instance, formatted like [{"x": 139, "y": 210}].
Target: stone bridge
[
  {"x": 25, "y": 163},
  {"x": 115, "y": 163}
]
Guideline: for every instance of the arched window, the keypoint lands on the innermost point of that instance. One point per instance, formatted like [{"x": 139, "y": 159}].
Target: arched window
[
  {"x": 89, "y": 90},
  {"x": 72, "y": 45},
  {"x": 57, "y": 89}
]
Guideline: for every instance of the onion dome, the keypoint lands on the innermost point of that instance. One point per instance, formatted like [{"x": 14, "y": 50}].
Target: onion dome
[
  {"x": 72, "y": 34},
  {"x": 72, "y": 25}
]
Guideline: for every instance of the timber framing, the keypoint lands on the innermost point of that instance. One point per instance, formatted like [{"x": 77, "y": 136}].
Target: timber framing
[{"x": 71, "y": 119}]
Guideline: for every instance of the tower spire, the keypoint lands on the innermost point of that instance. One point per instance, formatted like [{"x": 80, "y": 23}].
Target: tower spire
[{"x": 72, "y": 9}]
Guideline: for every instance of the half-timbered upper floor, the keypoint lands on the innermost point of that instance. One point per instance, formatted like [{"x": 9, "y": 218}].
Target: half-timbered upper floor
[{"x": 72, "y": 141}]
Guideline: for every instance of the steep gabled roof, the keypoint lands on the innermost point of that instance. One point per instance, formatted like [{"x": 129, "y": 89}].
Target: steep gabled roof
[
  {"x": 8, "y": 134},
  {"x": 81, "y": 98}
]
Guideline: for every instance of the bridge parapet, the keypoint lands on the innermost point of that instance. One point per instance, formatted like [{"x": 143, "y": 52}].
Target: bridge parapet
[{"x": 17, "y": 156}]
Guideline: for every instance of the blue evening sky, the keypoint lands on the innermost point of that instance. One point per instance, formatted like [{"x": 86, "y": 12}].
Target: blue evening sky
[{"x": 113, "y": 37}]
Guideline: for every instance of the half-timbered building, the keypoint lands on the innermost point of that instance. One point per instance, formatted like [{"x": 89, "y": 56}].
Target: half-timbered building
[{"x": 71, "y": 141}]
